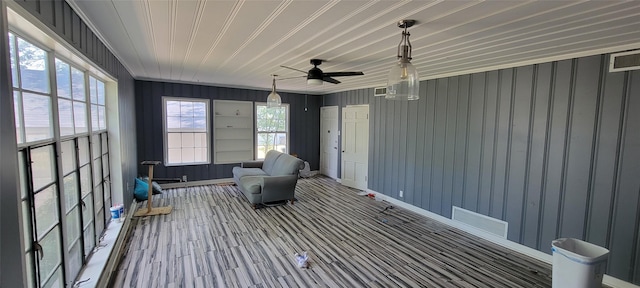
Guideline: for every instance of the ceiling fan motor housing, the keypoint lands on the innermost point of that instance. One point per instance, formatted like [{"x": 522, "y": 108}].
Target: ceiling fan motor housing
[{"x": 314, "y": 73}]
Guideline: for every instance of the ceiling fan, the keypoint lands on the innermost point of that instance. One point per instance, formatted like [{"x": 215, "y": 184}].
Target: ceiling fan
[{"x": 315, "y": 76}]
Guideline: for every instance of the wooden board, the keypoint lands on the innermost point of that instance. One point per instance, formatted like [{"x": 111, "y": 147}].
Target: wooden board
[{"x": 154, "y": 211}]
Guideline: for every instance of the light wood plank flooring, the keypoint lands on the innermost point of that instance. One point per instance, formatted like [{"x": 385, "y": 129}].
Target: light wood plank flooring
[{"x": 214, "y": 239}]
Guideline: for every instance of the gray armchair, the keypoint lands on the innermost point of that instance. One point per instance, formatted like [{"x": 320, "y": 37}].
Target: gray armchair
[{"x": 271, "y": 180}]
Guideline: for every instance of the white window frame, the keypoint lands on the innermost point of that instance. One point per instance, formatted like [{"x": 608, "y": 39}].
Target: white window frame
[
  {"x": 165, "y": 133},
  {"x": 287, "y": 132}
]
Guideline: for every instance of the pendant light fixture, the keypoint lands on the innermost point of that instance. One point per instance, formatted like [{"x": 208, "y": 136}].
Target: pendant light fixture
[
  {"x": 403, "y": 82},
  {"x": 273, "y": 100}
]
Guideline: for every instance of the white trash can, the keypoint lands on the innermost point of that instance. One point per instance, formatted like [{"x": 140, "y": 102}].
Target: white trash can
[{"x": 577, "y": 263}]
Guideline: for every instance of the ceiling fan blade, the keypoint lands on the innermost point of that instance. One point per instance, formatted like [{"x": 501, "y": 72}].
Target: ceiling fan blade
[
  {"x": 305, "y": 72},
  {"x": 330, "y": 80},
  {"x": 339, "y": 74},
  {"x": 294, "y": 77}
]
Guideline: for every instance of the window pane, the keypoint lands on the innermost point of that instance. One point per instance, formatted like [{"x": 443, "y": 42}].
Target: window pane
[
  {"x": 89, "y": 241},
  {"x": 70, "y": 191},
  {"x": 80, "y": 117},
  {"x": 98, "y": 197},
  {"x": 77, "y": 84},
  {"x": 174, "y": 140},
  {"x": 68, "y": 156},
  {"x": 63, "y": 79},
  {"x": 186, "y": 109},
  {"x": 101, "y": 92},
  {"x": 173, "y": 108},
  {"x": 94, "y": 118},
  {"x": 97, "y": 171},
  {"x": 73, "y": 226},
  {"x": 12, "y": 52},
  {"x": 83, "y": 150},
  {"x": 105, "y": 165},
  {"x": 65, "y": 114},
  {"x": 188, "y": 155},
  {"x": 87, "y": 212},
  {"x": 107, "y": 195},
  {"x": 43, "y": 166},
  {"x": 46, "y": 206},
  {"x": 105, "y": 143},
  {"x": 99, "y": 223},
  {"x": 37, "y": 117},
  {"x": 96, "y": 143},
  {"x": 200, "y": 154},
  {"x": 187, "y": 140},
  {"x": 174, "y": 155},
  {"x": 200, "y": 140},
  {"x": 51, "y": 251},
  {"x": 102, "y": 118},
  {"x": 75, "y": 259},
  {"x": 93, "y": 95},
  {"x": 173, "y": 124},
  {"x": 85, "y": 180},
  {"x": 187, "y": 124},
  {"x": 18, "y": 116},
  {"x": 56, "y": 281},
  {"x": 33, "y": 67}
]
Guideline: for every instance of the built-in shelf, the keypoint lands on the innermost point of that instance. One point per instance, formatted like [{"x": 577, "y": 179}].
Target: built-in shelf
[{"x": 233, "y": 131}]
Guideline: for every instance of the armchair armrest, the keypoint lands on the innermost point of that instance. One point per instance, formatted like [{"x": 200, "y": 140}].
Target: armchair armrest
[
  {"x": 276, "y": 188},
  {"x": 251, "y": 164}
]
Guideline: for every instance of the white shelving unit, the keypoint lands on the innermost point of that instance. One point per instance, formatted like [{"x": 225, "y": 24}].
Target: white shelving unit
[{"x": 233, "y": 131}]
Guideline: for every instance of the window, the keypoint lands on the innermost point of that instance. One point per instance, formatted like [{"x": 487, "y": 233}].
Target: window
[
  {"x": 272, "y": 129},
  {"x": 63, "y": 202},
  {"x": 186, "y": 126}
]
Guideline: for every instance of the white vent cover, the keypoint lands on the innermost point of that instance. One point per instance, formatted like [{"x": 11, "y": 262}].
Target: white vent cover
[
  {"x": 624, "y": 61},
  {"x": 479, "y": 221},
  {"x": 380, "y": 91}
]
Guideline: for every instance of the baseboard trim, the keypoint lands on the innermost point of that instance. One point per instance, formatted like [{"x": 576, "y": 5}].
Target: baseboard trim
[
  {"x": 533, "y": 253},
  {"x": 195, "y": 183}
]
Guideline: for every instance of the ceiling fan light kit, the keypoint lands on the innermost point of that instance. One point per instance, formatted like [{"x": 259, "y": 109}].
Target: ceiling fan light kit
[
  {"x": 315, "y": 76},
  {"x": 273, "y": 100},
  {"x": 403, "y": 82}
]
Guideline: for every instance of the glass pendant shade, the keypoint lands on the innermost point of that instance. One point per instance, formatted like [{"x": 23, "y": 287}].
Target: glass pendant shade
[
  {"x": 403, "y": 82},
  {"x": 314, "y": 81},
  {"x": 273, "y": 100}
]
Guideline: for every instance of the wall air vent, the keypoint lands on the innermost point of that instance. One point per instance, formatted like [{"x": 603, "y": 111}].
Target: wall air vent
[
  {"x": 479, "y": 221},
  {"x": 380, "y": 91},
  {"x": 624, "y": 61}
]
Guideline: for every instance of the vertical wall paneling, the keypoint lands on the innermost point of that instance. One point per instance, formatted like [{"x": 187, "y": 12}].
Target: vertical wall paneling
[
  {"x": 449, "y": 147},
  {"x": 439, "y": 138},
  {"x": 625, "y": 216},
  {"x": 605, "y": 157},
  {"x": 304, "y": 125},
  {"x": 538, "y": 138},
  {"x": 583, "y": 119},
  {"x": 551, "y": 148}
]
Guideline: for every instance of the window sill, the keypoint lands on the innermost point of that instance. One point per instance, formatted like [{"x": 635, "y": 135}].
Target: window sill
[{"x": 90, "y": 274}]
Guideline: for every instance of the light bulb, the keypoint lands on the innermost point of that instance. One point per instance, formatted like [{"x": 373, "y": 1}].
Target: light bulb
[{"x": 403, "y": 71}]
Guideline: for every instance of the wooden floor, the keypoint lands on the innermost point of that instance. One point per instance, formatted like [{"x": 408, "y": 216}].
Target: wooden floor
[{"x": 214, "y": 239}]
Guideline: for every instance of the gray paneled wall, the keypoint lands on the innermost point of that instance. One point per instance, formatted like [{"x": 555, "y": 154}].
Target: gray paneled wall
[
  {"x": 62, "y": 20},
  {"x": 553, "y": 149},
  {"x": 304, "y": 125}
]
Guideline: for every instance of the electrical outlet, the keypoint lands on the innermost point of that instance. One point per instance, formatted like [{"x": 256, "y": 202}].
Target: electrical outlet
[
  {"x": 400, "y": 193},
  {"x": 184, "y": 178}
]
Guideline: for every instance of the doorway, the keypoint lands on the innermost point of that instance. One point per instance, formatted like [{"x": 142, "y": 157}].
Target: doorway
[
  {"x": 329, "y": 141},
  {"x": 355, "y": 146}
]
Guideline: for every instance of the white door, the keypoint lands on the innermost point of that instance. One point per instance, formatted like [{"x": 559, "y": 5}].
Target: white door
[
  {"x": 329, "y": 141},
  {"x": 355, "y": 146}
]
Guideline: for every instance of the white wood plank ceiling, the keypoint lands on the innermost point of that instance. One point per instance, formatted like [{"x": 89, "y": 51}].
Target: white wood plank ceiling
[{"x": 241, "y": 43}]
